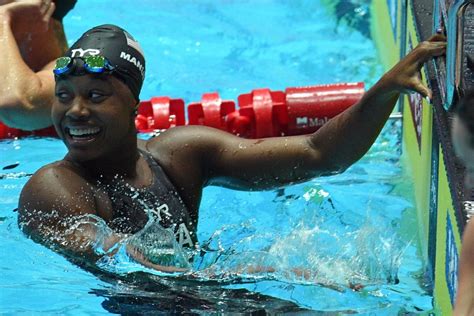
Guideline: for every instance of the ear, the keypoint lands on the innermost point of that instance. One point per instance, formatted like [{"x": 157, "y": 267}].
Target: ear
[{"x": 135, "y": 109}]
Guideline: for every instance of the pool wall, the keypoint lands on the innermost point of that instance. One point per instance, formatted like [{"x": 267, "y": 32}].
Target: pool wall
[{"x": 397, "y": 27}]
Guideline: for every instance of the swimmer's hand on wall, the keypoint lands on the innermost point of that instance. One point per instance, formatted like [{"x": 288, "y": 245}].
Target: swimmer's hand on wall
[
  {"x": 405, "y": 76},
  {"x": 27, "y": 16},
  {"x": 336, "y": 146}
]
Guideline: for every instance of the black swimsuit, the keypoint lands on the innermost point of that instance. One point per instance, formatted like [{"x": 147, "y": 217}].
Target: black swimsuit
[{"x": 132, "y": 207}]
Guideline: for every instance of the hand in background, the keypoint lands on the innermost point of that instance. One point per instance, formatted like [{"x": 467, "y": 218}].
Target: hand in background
[{"x": 27, "y": 16}]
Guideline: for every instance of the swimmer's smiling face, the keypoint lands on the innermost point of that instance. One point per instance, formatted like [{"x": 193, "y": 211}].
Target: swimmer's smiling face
[{"x": 93, "y": 115}]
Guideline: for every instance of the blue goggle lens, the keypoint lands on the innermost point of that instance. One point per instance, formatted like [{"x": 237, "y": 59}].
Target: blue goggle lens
[
  {"x": 62, "y": 65},
  {"x": 92, "y": 64}
]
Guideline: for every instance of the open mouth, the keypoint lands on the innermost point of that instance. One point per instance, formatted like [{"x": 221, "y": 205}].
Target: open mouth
[{"x": 82, "y": 133}]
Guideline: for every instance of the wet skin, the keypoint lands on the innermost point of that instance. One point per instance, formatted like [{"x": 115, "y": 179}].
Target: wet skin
[
  {"x": 27, "y": 82},
  {"x": 105, "y": 106},
  {"x": 100, "y": 105},
  {"x": 94, "y": 116}
]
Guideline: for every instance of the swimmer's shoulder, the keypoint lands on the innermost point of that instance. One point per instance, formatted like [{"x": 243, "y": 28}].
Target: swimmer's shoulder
[
  {"x": 54, "y": 193},
  {"x": 174, "y": 145},
  {"x": 61, "y": 168},
  {"x": 57, "y": 178},
  {"x": 185, "y": 139},
  {"x": 187, "y": 148}
]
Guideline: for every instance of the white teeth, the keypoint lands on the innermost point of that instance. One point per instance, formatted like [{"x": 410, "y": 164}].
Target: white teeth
[{"x": 83, "y": 131}]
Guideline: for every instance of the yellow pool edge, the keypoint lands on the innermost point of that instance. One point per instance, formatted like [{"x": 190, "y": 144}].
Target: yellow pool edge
[{"x": 423, "y": 157}]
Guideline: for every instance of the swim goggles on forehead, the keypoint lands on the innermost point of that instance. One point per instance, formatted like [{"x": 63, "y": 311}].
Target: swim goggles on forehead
[{"x": 91, "y": 64}]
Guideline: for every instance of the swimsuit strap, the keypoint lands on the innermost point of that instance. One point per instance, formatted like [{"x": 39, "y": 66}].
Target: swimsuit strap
[
  {"x": 176, "y": 214},
  {"x": 161, "y": 182}
]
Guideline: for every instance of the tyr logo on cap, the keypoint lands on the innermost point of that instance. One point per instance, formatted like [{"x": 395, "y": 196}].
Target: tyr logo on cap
[{"x": 79, "y": 52}]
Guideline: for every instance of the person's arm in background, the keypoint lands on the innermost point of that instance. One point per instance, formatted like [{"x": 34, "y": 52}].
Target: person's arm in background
[
  {"x": 465, "y": 295},
  {"x": 30, "y": 41}
]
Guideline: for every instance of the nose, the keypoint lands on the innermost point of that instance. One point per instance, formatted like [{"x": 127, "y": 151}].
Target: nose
[{"x": 78, "y": 111}]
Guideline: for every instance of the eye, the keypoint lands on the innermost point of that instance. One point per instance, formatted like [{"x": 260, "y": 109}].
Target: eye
[
  {"x": 97, "y": 96},
  {"x": 64, "y": 96}
]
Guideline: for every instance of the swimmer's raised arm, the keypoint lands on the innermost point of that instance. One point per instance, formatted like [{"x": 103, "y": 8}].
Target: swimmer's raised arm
[
  {"x": 216, "y": 157},
  {"x": 347, "y": 137},
  {"x": 28, "y": 45}
]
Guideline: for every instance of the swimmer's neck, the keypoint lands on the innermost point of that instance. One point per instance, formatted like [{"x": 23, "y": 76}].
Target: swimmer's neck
[{"x": 121, "y": 163}]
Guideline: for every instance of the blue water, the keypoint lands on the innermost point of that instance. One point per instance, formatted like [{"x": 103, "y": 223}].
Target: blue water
[{"x": 354, "y": 227}]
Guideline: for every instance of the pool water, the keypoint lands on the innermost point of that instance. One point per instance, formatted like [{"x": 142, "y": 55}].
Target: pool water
[{"x": 352, "y": 228}]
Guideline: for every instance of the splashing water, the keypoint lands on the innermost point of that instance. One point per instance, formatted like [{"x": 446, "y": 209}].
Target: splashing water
[
  {"x": 308, "y": 253},
  {"x": 313, "y": 250}
]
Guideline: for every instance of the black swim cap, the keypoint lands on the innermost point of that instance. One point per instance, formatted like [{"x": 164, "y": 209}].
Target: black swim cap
[
  {"x": 120, "y": 49},
  {"x": 62, "y": 8}
]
